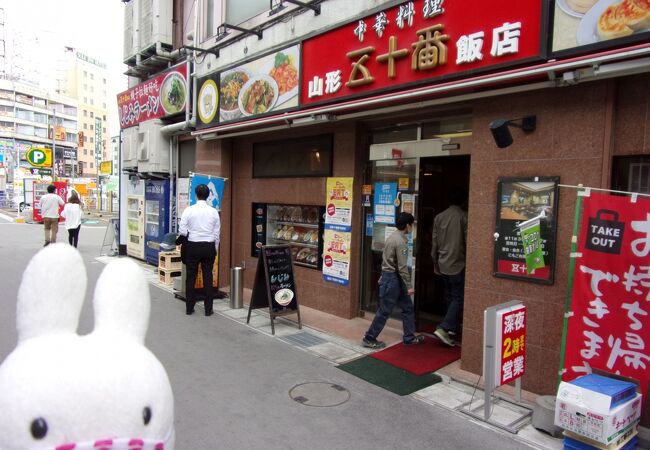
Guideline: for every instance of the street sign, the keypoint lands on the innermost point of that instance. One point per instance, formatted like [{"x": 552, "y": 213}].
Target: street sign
[{"x": 39, "y": 157}]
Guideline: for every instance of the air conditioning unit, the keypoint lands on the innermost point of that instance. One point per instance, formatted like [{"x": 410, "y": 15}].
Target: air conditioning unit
[
  {"x": 155, "y": 24},
  {"x": 129, "y": 148},
  {"x": 131, "y": 46},
  {"x": 152, "y": 149}
]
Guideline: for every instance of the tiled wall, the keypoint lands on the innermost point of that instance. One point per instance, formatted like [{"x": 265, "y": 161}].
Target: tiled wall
[{"x": 572, "y": 142}]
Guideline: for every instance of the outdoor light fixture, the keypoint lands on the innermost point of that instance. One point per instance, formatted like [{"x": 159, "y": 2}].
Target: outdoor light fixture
[
  {"x": 501, "y": 133},
  {"x": 222, "y": 31},
  {"x": 278, "y": 5}
]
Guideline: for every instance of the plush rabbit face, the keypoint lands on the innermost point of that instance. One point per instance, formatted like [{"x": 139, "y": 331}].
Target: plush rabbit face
[{"x": 104, "y": 390}]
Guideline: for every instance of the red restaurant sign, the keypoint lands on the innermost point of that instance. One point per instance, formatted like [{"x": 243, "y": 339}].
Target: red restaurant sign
[
  {"x": 162, "y": 95},
  {"x": 417, "y": 41},
  {"x": 511, "y": 339},
  {"x": 609, "y": 315}
]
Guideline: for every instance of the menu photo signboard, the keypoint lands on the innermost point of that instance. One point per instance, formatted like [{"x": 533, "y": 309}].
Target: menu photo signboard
[
  {"x": 418, "y": 41},
  {"x": 580, "y": 26},
  {"x": 526, "y": 225},
  {"x": 163, "y": 95},
  {"x": 207, "y": 101},
  {"x": 263, "y": 86},
  {"x": 275, "y": 284}
]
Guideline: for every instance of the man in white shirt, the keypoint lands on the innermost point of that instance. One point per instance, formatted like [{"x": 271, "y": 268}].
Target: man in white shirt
[
  {"x": 200, "y": 225},
  {"x": 50, "y": 204}
]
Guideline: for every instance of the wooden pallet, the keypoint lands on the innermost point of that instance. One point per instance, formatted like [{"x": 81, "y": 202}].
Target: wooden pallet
[
  {"x": 169, "y": 261},
  {"x": 166, "y": 276}
]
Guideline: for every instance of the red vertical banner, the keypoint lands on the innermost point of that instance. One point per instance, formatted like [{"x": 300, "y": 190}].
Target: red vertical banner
[{"x": 608, "y": 325}]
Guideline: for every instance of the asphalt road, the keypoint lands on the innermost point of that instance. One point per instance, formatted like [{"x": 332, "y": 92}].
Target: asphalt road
[{"x": 231, "y": 384}]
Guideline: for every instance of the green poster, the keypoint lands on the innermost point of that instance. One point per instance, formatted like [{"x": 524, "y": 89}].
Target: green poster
[{"x": 532, "y": 242}]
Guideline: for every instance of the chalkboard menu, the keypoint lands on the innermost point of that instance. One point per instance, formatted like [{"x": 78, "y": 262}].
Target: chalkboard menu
[{"x": 275, "y": 285}]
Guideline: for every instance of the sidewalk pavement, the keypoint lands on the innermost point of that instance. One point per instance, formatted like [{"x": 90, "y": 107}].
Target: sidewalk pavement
[{"x": 339, "y": 341}]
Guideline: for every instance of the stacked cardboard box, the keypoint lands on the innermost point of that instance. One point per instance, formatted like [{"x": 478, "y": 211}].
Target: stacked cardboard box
[{"x": 598, "y": 412}]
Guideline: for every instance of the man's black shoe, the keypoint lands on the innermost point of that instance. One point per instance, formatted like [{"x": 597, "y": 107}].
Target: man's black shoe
[
  {"x": 189, "y": 313},
  {"x": 209, "y": 313}
]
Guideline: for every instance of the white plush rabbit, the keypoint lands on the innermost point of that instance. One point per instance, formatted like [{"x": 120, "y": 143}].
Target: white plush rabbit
[{"x": 104, "y": 390}]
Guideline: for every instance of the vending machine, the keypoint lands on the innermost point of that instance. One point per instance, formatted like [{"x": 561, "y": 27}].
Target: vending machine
[
  {"x": 156, "y": 221},
  {"x": 40, "y": 189},
  {"x": 135, "y": 218}
]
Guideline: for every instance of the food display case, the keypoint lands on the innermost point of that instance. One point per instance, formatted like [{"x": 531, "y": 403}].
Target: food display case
[{"x": 300, "y": 226}]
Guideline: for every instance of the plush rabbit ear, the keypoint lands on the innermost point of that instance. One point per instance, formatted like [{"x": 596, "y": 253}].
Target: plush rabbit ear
[
  {"x": 51, "y": 292},
  {"x": 122, "y": 300}
]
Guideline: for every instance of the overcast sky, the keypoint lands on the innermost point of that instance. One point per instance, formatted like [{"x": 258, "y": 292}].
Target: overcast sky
[{"x": 94, "y": 27}]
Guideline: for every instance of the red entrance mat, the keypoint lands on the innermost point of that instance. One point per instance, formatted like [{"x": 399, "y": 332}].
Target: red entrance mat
[{"x": 420, "y": 358}]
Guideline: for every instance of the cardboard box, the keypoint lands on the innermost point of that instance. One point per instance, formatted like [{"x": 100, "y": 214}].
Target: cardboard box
[
  {"x": 588, "y": 413},
  {"x": 617, "y": 391},
  {"x": 623, "y": 440}
]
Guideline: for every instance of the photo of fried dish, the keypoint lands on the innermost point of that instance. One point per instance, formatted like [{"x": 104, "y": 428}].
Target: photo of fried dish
[
  {"x": 258, "y": 95},
  {"x": 611, "y": 19},
  {"x": 284, "y": 72},
  {"x": 231, "y": 85}
]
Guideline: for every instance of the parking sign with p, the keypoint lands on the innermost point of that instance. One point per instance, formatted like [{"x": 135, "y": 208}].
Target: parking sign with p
[{"x": 39, "y": 157}]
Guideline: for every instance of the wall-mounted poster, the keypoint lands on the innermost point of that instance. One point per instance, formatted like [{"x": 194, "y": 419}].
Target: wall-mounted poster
[
  {"x": 519, "y": 202},
  {"x": 266, "y": 85},
  {"x": 384, "y": 203},
  {"x": 599, "y": 24},
  {"x": 207, "y": 101}
]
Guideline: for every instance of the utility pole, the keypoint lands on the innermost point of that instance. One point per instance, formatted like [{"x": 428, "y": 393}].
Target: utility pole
[{"x": 53, "y": 145}]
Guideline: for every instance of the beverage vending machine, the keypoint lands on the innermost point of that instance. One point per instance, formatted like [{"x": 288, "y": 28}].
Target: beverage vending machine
[
  {"x": 156, "y": 220},
  {"x": 40, "y": 189},
  {"x": 135, "y": 218}
]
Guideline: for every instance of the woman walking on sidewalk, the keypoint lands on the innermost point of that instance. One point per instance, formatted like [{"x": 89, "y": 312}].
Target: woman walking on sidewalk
[{"x": 73, "y": 213}]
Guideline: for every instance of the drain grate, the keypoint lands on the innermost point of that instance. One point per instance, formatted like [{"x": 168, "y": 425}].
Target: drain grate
[
  {"x": 303, "y": 339},
  {"x": 320, "y": 394}
]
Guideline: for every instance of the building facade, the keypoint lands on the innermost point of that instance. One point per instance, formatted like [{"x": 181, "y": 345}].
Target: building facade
[
  {"x": 399, "y": 103},
  {"x": 86, "y": 80},
  {"x": 30, "y": 117}
]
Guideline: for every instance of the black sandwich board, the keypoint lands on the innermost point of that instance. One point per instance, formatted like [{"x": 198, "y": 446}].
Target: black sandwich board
[{"x": 275, "y": 285}]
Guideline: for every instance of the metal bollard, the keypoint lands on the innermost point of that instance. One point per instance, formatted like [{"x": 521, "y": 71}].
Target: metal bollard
[{"x": 236, "y": 287}]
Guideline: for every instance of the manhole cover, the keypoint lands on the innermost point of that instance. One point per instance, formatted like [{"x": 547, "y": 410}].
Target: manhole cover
[{"x": 321, "y": 394}]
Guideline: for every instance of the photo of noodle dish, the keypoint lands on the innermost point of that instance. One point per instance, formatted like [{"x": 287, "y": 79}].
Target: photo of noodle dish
[
  {"x": 230, "y": 86},
  {"x": 258, "y": 95}
]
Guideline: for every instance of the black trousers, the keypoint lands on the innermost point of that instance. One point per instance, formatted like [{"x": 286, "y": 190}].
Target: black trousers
[
  {"x": 203, "y": 253},
  {"x": 73, "y": 235}
]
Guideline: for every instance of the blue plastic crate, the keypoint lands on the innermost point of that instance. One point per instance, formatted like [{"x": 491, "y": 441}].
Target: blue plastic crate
[{"x": 574, "y": 444}]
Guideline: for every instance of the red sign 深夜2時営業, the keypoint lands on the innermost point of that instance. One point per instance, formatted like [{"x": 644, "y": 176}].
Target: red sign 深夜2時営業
[
  {"x": 160, "y": 96},
  {"x": 419, "y": 41}
]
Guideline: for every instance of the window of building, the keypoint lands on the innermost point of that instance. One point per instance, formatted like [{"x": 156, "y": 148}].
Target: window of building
[
  {"x": 6, "y": 95},
  {"x": 85, "y": 113},
  {"x": 104, "y": 106},
  {"x": 40, "y": 102},
  {"x": 85, "y": 74},
  {"x": 104, "y": 80},
  {"x": 85, "y": 151},
  {"x": 85, "y": 99},
  {"x": 104, "y": 117},
  {"x": 104, "y": 130},
  {"x": 85, "y": 138},
  {"x": 85, "y": 126},
  {"x": 40, "y": 118},
  {"x": 40, "y": 132},
  {"x": 26, "y": 99},
  {"x": 92, "y": 127},
  {"x": 71, "y": 137},
  {"x": 6, "y": 126},
  {"x": 92, "y": 76},
  {"x": 300, "y": 157},
  {"x": 92, "y": 114},
  {"x": 238, "y": 11},
  {"x": 92, "y": 102},
  {"x": 24, "y": 114},
  {"x": 92, "y": 140},
  {"x": 6, "y": 110},
  {"x": 25, "y": 129},
  {"x": 92, "y": 165},
  {"x": 631, "y": 173}
]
